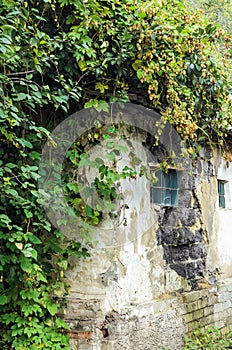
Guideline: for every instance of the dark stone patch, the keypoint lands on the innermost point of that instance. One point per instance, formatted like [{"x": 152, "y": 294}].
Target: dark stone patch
[
  {"x": 166, "y": 236},
  {"x": 188, "y": 217},
  {"x": 175, "y": 236},
  {"x": 185, "y": 236},
  {"x": 171, "y": 217},
  {"x": 184, "y": 248},
  {"x": 184, "y": 198},
  {"x": 208, "y": 169},
  {"x": 200, "y": 268},
  {"x": 197, "y": 251},
  {"x": 191, "y": 271},
  {"x": 180, "y": 269},
  {"x": 176, "y": 254},
  {"x": 199, "y": 166},
  {"x": 199, "y": 235}
]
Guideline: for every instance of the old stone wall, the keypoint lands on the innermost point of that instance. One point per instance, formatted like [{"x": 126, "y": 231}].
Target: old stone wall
[
  {"x": 160, "y": 323},
  {"x": 162, "y": 275}
]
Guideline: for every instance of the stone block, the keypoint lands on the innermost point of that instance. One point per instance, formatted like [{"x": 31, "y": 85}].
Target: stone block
[
  {"x": 222, "y": 306},
  {"x": 207, "y": 320},
  {"x": 192, "y": 326},
  {"x": 185, "y": 198},
  {"x": 176, "y": 254},
  {"x": 190, "y": 307},
  {"x": 198, "y": 235},
  {"x": 197, "y": 251},
  {"x": 220, "y": 324},
  {"x": 194, "y": 295},
  {"x": 198, "y": 314},
  {"x": 227, "y": 329},
  {"x": 188, "y": 317},
  {"x": 188, "y": 217},
  {"x": 180, "y": 269},
  {"x": 208, "y": 310},
  {"x": 225, "y": 296}
]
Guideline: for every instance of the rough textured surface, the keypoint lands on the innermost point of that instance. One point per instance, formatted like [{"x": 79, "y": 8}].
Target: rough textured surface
[
  {"x": 162, "y": 322},
  {"x": 168, "y": 272}
]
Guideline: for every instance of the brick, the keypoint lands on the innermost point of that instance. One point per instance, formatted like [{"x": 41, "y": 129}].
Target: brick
[
  {"x": 188, "y": 318},
  {"x": 226, "y": 313},
  {"x": 198, "y": 314},
  {"x": 220, "y": 324},
  {"x": 229, "y": 318},
  {"x": 227, "y": 329},
  {"x": 80, "y": 335},
  {"x": 222, "y": 306},
  {"x": 208, "y": 320},
  {"x": 208, "y": 310},
  {"x": 192, "y": 326},
  {"x": 195, "y": 305},
  {"x": 212, "y": 300},
  {"x": 225, "y": 296},
  {"x": 204, "y": 302},
  {"x": 222, "y": 288},
  {"x": 193, "y": 296}
]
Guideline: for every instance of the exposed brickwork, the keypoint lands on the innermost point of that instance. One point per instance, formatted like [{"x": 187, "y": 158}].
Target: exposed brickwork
[{"x": 153, "y": 323}]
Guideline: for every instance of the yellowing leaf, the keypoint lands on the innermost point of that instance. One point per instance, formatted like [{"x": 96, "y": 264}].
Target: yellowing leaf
[
  {"x": 19, "y": 245},
  {"x": 101, "y": 87},
  {"x": 137, "y": 64},
  {"x": 82, "y": 65}
]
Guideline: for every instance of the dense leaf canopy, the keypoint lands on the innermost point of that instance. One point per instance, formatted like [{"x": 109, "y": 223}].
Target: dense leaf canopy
[{"x": 57, "y": 57}]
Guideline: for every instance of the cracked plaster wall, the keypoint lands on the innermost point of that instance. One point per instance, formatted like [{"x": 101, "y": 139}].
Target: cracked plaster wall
[{"x": 124, "y": 294}]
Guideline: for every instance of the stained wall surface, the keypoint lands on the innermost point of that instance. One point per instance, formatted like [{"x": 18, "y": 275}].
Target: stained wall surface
[{"x": 157, "y": 272}]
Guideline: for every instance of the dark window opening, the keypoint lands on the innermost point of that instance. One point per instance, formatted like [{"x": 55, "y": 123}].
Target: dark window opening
[
  {"x": 221, "y": 194},
  {"x": 165, "y": 190}
]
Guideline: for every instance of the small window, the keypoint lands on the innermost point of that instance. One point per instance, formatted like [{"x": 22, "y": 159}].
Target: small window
[
  {"x": 221, "y": 194},
  {"x": 165, "y": 190}
]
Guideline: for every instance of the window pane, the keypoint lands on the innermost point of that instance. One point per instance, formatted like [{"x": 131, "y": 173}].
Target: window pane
[
  {"x": 165, "y": 190},
  {"x": 156, "y": 195},
  {"x": 222, "y": 203},
  {"x": 174, "y": 197},
  {"x": 221, "y": 188},
  {"x": 221, "y": 194},
  {"x": 167, "y": 197},
  {"x": 174, "y": 183}
]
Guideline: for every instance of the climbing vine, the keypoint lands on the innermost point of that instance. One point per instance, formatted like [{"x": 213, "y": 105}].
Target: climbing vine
[{"x": 57, "y": 57}]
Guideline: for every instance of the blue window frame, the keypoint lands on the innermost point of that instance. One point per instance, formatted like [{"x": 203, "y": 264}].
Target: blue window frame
[
  {"x": 165, "y": 191},
  {"x": 221, "y": 194}
]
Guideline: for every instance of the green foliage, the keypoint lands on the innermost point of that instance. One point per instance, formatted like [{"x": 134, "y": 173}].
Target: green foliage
[
  {"x": 210, "y": 338},
  {"x": 219, "y": 11},
  {"x": 58, "y": 56},
  {"x": 103, "y": 188}
]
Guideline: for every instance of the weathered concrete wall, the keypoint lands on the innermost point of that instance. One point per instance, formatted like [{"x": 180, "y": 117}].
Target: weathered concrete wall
[
  {"x": 223, "y": 223},
  {"x": 159, "y": 323},
  {"x": 149, "y": 283}
]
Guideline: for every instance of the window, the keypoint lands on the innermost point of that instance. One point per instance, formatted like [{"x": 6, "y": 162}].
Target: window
[
  {"x": 165, "y": 190},
  {"x": 221, "y": 194}
]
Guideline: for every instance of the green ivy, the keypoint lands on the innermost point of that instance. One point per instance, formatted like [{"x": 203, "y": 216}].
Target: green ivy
[
  {"x": 208, "y": 338},
  {"x": 57, "y": 57}
]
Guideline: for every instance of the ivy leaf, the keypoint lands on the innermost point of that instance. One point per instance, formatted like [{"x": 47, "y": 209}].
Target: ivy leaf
[
  {"x": 21, "y": 96},
  {"x": 28, "y": 213},
  {"x": 30, "y": 252},
  {"x": 82, "y": 65},
  {"x": 52, "y": 308},
  {"x": 26, "y": 264},
  {"x": 3, "y": 299},
  {"x": 19, "y": 245}
]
